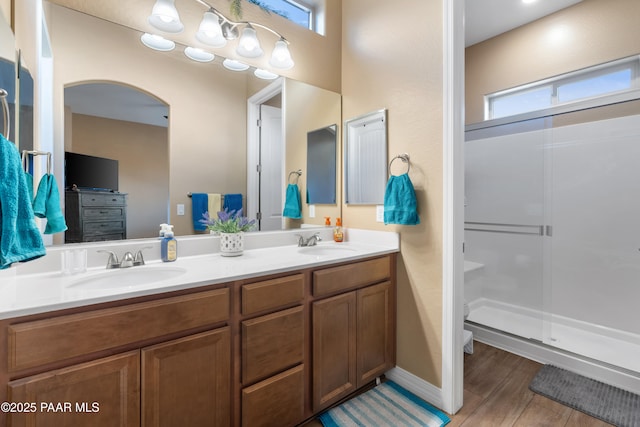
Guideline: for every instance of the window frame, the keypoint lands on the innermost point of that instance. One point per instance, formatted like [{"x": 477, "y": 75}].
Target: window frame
[{"x": 631, "y": 63}]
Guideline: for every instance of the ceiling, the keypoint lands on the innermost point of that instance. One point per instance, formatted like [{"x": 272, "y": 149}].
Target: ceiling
[{"x": 484, "y": 19}]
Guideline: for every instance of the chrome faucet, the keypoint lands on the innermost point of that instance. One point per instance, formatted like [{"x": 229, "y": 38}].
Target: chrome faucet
[
  {"x": 128, "y": 260},
  {"x": 311, "y": 241}
]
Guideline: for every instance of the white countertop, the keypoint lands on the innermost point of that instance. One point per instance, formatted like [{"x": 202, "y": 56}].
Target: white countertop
[{"x": 48, "y": 290}]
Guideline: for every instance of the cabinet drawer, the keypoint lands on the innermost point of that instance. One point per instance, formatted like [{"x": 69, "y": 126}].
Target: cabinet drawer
[
  {"x": 103, "y": 213},
  {"x": 102, "y": 199},
  {"x": 277, "y": 401},
  {"x": 44, "y": 341},
  {"x": 103, "y": 227},
  {"x": 102, "y": 237},
  {"x": 331, "y": 280},
  {"x": 272, "y": 294},
  {"x": 271, "y": 344}
]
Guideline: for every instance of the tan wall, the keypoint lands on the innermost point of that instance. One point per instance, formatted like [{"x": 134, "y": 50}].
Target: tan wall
[
  {"x": 308, "y": 108},
  {"x": 142, "y": 152},
  {"x": 594, "y": 31},
  {"x": 386, "y": 66},
  {"x": 207, "y": 119}
]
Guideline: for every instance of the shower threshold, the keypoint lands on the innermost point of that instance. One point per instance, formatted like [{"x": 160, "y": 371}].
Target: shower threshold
[{"x": 611, "y": 346}]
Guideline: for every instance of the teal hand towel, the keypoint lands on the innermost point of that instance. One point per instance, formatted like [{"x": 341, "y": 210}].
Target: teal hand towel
[
  {"x": 292, "y": 203},
  {"x": 400, "y": 204},
  {"x": 20, "y": 239},
  {"x": 47, "y": 205}
]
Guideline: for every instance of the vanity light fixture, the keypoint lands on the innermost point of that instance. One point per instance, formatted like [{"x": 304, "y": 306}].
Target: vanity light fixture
[
  {"x": 233, "y": 65},
  {"x": 157, "y": 42},
  {"x": 215, "y": 30},
  {"x": 198, "y": 54},
  {"x": 164, "y": 16},
  {"x": 264, "y": 74}
]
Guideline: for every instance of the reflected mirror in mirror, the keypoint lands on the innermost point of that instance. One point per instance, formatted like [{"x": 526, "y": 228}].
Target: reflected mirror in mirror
[
  {"x": 365, "y": 165},
  {"x": 321, "y": 165}
]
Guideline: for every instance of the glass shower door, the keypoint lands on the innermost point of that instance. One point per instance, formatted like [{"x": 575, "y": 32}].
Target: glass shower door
[{"x": 505, "y": 227}]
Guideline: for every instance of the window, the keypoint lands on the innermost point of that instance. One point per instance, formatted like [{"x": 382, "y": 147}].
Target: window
[
  {"x": 295, "y": 11},
  {"x": 615, "y": 77}
]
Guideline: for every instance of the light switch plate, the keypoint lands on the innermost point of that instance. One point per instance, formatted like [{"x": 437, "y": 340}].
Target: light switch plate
[
  {"x": 180, "y": 210},
  {"x": 312, "y": 211},
  {"x": 380, "y": 213}
]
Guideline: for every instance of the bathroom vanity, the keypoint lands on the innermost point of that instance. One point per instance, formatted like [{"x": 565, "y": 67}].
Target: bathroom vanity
[{"x": 250, "y": 346}]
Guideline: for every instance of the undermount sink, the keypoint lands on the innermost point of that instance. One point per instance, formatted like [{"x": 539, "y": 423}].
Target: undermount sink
[
  {"x": 326, "y": 250},
  {"x": 127, "y": 277}
]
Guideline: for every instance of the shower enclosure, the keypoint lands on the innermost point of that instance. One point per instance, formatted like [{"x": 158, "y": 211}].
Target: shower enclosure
[{"x": 552, "y": 233}]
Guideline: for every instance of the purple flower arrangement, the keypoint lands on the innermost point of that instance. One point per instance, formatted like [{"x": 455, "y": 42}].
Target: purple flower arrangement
[{"x": 228, "y": 222}]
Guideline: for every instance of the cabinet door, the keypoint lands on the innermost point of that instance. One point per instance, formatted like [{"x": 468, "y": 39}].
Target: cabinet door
[
  {"x": 187, "y": 382},
  {"x": 276, "y": 401},
  {"x": 376, "y": 331},
  {"x": 334, "y": 349},
  {"x": 105, "y": 392}
]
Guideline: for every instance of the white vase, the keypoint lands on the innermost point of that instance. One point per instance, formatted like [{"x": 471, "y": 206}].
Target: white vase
[{"x": 231, "y": 244}]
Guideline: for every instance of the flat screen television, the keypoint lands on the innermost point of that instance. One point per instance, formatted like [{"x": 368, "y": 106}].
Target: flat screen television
[{"x": 90, "y": 172}]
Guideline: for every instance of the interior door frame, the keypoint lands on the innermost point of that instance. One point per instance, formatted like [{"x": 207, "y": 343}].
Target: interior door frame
[
  {"x": 253, "y": 143},
  {"x": 453, "y": 205}
]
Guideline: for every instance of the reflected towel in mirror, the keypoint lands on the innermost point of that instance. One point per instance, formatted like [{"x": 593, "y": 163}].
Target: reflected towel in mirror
[
  {"x": 199, "y": 205},
  {"x": 292, "y": 203}
]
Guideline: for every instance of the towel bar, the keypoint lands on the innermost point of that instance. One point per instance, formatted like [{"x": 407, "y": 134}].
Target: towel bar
[{"x": 37, "y": 153}]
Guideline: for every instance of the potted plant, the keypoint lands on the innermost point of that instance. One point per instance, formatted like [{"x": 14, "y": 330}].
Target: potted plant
[{"x": 230, "y": 225}]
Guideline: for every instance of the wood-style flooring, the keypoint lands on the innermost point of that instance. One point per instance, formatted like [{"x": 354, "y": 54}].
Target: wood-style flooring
[{"x": 496, "y": 393}]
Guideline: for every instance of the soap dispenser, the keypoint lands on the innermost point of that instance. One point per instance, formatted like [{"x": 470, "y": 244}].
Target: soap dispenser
[
  {"x": 338, "y": 234},
  {"x": 169, "y": 245},
  {"x": 327, "y": 221}
]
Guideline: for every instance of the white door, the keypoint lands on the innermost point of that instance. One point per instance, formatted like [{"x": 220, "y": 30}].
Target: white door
[{"x": 270, "y": 168}]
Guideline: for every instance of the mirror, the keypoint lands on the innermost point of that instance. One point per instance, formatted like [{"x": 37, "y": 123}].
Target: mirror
[
  {"x": 321, "y": 165},
  {"x": 207, "y": 120},
  {"x": 365, "y": 155}
]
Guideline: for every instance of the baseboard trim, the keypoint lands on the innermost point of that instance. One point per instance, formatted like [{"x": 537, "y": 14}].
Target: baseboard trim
[{"x": 416, "y": 385}]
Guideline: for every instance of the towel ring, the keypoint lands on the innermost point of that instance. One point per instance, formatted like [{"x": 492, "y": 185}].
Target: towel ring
[
  {"x": 297, "y": 173},
  {"x": 405, "y": 159}
]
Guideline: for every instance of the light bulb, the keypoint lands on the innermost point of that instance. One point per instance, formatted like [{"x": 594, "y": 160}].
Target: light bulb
[{"x": 249, "y": 45}]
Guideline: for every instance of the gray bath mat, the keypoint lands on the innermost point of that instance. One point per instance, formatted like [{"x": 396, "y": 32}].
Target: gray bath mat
[{"x": 610, "y": 404}]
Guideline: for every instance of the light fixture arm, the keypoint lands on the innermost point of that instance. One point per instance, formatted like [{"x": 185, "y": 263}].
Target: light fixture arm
[{"x": 234, "y": 24}]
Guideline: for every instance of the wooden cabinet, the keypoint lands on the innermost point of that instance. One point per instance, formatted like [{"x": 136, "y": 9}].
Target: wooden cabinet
[
  {"x": 94, "y": 216},
  {"x": 167, "y": 363},
  {"x": 353, "y": 332},
  {"x": 188, "y": 381},
  {"x": 269, "y": 351},
  {"x": 103, "y": 392}
]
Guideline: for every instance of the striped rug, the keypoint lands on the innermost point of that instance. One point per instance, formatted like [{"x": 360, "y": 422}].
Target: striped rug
[{"x": 386, "y": 405}]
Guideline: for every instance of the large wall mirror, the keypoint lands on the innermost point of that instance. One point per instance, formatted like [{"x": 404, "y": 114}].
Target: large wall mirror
[
  {"x": 365, "y": 159},
  {"x": 202, "y": 145}
]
